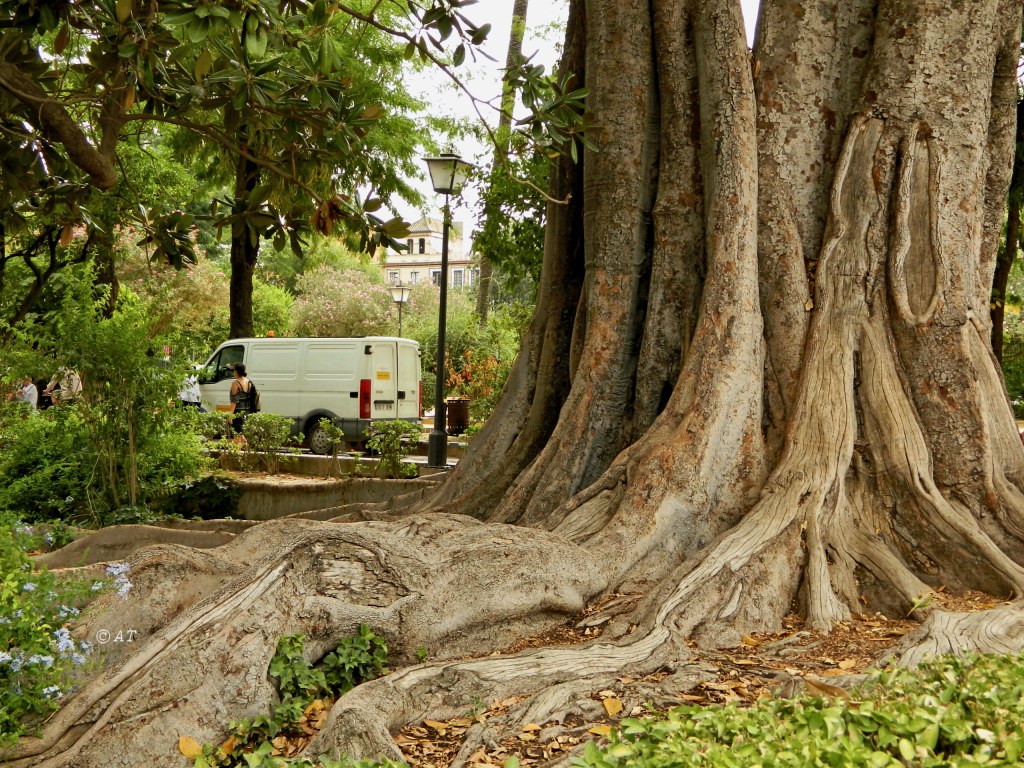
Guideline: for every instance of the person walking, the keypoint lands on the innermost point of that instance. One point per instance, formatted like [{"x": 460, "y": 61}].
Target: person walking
[{"x": 241, "y": 402}]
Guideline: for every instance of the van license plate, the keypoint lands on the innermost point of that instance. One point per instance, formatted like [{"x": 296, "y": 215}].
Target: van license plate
[{"x": 388, "y": 406}]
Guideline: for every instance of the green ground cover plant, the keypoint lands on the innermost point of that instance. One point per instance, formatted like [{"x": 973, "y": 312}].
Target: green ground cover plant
[
  {"x": 303, "y": 689},
  {"x": 947, "y": 712}
]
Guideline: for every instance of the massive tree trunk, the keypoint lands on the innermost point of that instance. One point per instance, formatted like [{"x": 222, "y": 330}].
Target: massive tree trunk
[{"x": 758, "y": 378}]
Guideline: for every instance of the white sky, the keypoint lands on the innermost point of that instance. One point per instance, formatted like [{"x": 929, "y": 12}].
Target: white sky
[{"x": 545, "y": 23}]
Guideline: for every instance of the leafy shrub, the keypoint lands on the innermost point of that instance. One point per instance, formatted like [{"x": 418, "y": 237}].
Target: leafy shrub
[
  {"x": 949, "y": 711},
  {"x": 38, "y": 656},
  {"x": 117, "y": 447},
  {"x": 336, "y": 436},
  {"x": 347, "y": 302},
  {"x": 266, "y": 434},
  {"x": 43, "y": 473},
  {"x": 392, "y": 441},
  {"x": 212, "y": 497}
]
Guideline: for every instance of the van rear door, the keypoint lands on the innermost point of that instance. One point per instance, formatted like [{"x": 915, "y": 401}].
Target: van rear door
[
  {"x": 408, "y": 389},
  {"x": 383, "y": 380}
]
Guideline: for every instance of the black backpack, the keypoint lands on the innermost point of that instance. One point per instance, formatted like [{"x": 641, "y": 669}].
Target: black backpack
[{"x": 254, "y": 398}]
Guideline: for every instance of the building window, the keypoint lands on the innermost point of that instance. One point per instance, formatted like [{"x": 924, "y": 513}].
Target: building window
[
  {"x": 414, "y": 278},
  {"x": 456, "y": 278},
  {"x": 393, "y": 277},
  {"x": 408, "y": 244},
  {"x": 423, "y": 245},
  {"x": 435, "y": 276}
]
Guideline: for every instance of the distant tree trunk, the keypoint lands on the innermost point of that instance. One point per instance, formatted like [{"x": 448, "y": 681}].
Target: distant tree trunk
[
  {"x": 491, "y": 212},
  {"x": 245, "y": 247},
  {"x": 1012, "y": 241}
]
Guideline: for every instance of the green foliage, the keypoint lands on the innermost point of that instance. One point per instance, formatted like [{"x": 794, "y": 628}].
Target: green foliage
[
  {"x": 266, "y": 436},
  {"x": 392, "y": 441},
  {"x": 38, "y": 656},
  {"x": 43, "y": 472},
  {"x": 355, "y": 660},
  {"x": 946, "y": 712},
  {"x": 513, "y": 215},
  {"x": 301, "y": 688},
  {"x": 336, "y": 436},
  {"x": 211, "y": 497},
  {"x": 119, "y": 445}
]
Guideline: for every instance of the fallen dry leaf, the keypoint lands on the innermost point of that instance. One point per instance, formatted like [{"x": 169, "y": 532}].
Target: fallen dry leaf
[
  {"x": 612, "y": 706},
  {"x": 847, "y": 664},
  {"x": 600, "y": 730},
  {"x": 189, "y": 747}
]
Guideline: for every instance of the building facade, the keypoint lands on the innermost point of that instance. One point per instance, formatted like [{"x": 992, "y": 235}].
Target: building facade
[{"x": 421, "y": 261}]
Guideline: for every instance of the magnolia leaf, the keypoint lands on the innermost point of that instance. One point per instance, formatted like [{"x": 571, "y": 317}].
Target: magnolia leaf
[
  {"x": 600, "y": 730},
  {"x": 530, "y": 727},
  {"x": 203, "y": 65},
  {"x": 748, "y": 640},
  {"x": 612, "y": 706},
  {"x": 847, "y": 664},
  {"x": 66, "y": 234},
  {"x": 61, "y": 41},
  {"x": 189, "y": 747},
  {"x": 124, "y": 10}
]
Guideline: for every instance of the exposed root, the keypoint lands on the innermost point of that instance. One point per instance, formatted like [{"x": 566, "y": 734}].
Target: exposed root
[
  {"x": 121, "y": 541},
  {"x": 1000, "y": 630}
]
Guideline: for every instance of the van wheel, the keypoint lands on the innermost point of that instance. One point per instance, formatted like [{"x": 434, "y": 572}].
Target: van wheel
[{"x": 317, "y": 440}]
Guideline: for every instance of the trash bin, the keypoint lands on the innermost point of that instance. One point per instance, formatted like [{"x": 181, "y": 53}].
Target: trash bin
[{"x": 458, "y": 415}]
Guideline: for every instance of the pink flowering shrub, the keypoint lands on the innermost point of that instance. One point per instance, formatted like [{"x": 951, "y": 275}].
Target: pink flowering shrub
[{"x": 342, "y": 302}]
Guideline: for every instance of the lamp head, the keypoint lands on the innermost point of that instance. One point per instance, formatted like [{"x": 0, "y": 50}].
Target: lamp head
[
  {"x": 400, "y": 293},
  {"x": 448, "y": 172}
]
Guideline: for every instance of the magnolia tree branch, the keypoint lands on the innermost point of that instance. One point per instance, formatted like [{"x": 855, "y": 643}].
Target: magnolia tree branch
[{"x": 52, "y": 119}]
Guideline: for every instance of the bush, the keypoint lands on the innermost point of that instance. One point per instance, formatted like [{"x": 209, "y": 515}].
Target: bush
[
  {"x": 38, "y": 656},
  {"x": 213, "y": 497},
  {"x": 949, "y": 711},
  {"x": 43, "y": 474},
  {"x": 119, "y": 445},
  {"x": 266, "y": 434},
  {"x": 347, "y": 302},
  {"x": 392, "y": 441}
]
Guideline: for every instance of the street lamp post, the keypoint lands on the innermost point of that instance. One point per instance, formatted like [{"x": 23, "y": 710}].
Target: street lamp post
[
  {"x": 448, "y": 173},
  {"x": 400, "y": 294}
]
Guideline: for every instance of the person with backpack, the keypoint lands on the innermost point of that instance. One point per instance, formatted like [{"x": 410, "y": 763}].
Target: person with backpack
[{"x": 242, "y": 398}]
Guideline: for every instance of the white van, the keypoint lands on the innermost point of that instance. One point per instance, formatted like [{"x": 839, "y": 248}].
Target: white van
[{"x": 352, "y": 381}]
